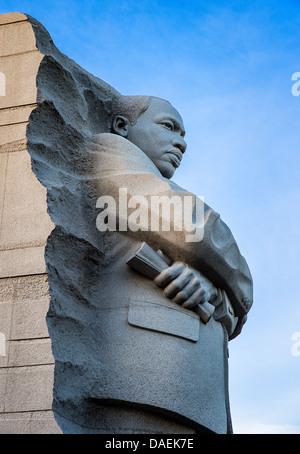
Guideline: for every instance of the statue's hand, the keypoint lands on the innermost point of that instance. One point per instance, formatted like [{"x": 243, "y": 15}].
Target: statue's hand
[{"x": 186, "y": 286}]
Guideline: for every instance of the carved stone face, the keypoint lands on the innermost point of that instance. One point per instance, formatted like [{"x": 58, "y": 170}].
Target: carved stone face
[{"x": 159, "y": 133}]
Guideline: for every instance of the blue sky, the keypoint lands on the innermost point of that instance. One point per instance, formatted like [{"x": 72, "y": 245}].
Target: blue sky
[{"x": 227, "y": 67}]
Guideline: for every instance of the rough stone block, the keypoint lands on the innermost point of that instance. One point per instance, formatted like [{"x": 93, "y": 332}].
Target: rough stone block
[
  {"x": 14, "y": 115},
  {"x": 27, "y": 388},
  {"x": 15, "y": 423},
  {"x": 20, "y": 74},
  {"x": 10, "y": 18},
  {"x": 28, "y": 320},
  {"x": 14, "y": 146},
  {"x": 22, "y": 262},
  {"x": 30, "y": 288},
  {"x": 25, "y": 221},
  {"x": 38, "y": 422},
  {"x": 23, "y": 306},
  {"x": 16, "y": 38},
  {"x": 29, "y": 352},
  {"x": 12, "y": 133}
]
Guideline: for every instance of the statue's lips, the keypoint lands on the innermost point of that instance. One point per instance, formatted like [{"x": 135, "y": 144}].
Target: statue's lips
[{"x": 176, "y": 157}]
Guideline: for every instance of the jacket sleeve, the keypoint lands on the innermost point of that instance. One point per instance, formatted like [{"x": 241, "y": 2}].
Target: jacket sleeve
[{"x": 216, "y": 255}]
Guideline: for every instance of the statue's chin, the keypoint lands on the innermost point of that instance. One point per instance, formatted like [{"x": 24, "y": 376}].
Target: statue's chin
[{"x": 166, "y": 169}]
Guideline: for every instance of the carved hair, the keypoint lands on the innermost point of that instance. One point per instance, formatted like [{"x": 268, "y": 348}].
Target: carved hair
[{"x": 132, "y": 107}]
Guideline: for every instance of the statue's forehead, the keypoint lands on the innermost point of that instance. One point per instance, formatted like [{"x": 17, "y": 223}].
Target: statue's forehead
[{"x": 160, "y": 107}]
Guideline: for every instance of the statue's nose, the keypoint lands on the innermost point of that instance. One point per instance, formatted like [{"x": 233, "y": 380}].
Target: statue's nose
[{"x": 179, "y": 143}]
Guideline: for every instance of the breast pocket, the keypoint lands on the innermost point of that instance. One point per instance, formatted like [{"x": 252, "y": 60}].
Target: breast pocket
[{"x": 165, "y": 317}]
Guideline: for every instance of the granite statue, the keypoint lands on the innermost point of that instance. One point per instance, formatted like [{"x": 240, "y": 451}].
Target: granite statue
[{"x": 140, "y": 314}]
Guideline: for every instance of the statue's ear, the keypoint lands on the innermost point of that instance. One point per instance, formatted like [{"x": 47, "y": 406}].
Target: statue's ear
[{"x": 120, "y": 126}]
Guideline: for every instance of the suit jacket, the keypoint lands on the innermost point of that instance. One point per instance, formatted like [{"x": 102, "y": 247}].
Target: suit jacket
[{"x": 133, "y": 345}]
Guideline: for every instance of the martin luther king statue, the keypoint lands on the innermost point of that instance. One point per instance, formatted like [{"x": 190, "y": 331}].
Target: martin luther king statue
[{"x": 147, "y": 283}]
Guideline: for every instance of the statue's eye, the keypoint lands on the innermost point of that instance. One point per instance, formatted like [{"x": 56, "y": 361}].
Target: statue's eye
[{"x": 169, "y": 125}]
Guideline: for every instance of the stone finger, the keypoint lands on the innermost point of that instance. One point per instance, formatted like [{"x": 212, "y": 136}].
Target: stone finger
[
  {"x": 187, "y": 291},
  {"x": 169, "y": 274},
  {"x": 178, "y": 284},
  {"x": 198, "y": 297}
]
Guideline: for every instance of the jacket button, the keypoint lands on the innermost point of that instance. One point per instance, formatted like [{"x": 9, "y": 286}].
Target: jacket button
[{"x": 246, "y": 303}]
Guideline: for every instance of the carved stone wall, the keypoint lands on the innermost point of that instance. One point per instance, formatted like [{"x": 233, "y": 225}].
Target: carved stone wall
[{"x": 26, "y": 369}]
